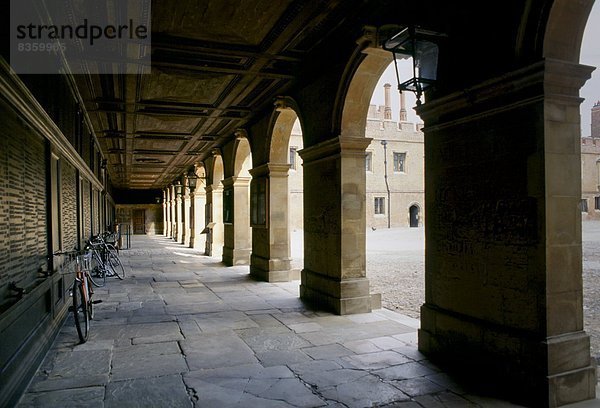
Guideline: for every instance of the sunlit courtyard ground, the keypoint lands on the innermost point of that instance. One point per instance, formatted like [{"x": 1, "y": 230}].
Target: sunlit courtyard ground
[{"x": 396, "y": 269}]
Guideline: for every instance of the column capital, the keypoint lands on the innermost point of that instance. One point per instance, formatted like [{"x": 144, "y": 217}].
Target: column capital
[
  {"x": 334, "y": 147},
  {"x": 236, "y": 181},
  {"x": 266, "y": 169}
]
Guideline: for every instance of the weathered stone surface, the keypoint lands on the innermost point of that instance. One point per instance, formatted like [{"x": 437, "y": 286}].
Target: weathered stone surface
[
  {"x": 365, "y": 392},
  {"x": 404, "y": 371},
  {"x": 66, "y": 398},
  {"x": 373, "y": 361},
  {"x": 216, "y": 350},
  {"x": 164, "y": 391}
]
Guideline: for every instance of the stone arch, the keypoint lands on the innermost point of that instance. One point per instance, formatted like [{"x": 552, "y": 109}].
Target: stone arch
[
  {"x": 214, "y": 206},
  {"x": 280, "y": 128},
  {"x": 271, "y": 260},
  {"x": 242, "y": 159},
  {"x": 361, "y": 75},
  {"x": 564, "y": 31},
  {"x": 236, "y": 203}
]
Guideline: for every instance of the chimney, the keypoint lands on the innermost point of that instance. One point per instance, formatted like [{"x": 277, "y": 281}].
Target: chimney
[
  {"x": 403, "y": 117},
  {"x": 596, "y": 120},
  {"x": 387, "y": 113}
]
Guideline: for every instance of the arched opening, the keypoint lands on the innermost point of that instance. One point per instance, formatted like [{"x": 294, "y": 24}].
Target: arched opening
[
  {"x": 275, "y": 239},
  {"x": 413, "y": 216},
  {"x": 236, "y": 206},
  {"x": 214, "y": 207}
]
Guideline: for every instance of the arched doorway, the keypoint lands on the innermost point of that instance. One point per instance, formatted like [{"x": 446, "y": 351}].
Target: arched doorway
[{"x": 413, "y": 216}]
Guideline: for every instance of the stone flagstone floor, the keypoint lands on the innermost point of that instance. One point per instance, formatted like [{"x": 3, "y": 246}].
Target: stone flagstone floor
[{"x": 182, "y": 330}]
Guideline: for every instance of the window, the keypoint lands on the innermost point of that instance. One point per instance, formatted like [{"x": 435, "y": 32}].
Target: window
[
  {"x": 399, "y": 162},
  {"x": 597, "y": 203},
  {"x": 379, "y": 205},
  {"x": 293, "y": 151},
  {"x": 584, "y": 206},
  {"x": 369, "y": 161}
]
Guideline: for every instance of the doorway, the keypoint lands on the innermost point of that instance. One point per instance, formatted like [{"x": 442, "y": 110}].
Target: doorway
[
  {"x": 139, "y": 221},
  {"x": 413, "y": 216}
]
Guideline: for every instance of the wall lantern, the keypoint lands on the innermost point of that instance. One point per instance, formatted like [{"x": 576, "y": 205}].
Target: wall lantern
[
  {"x": 422, "y": 46},
  {"x": 192, "y": 179},
  {"x": 178, "y": 188}
]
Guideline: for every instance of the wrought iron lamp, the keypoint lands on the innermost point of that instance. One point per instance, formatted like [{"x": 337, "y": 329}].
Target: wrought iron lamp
[
  {"x": 422, "y": 46},
  {"x": 178, "y": 188},
  {"x": 192, "y": 179}
]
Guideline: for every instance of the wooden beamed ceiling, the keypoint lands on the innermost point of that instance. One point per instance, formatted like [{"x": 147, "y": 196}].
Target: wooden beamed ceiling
[{"x": 214, "y": 65}]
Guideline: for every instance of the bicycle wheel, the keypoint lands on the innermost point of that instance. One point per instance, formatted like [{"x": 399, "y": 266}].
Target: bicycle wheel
[
  {"x": 116, "y": 265},
  {"x": 81, "y": 312},
  {"x": 90, "y": 293},
  {"x": 97, "y": 271},
  {"x": 113, "y": 248}
]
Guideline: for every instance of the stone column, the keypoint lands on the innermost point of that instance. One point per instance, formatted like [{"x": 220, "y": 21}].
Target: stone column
[
  {"x": 191, "y": 217},
  {"x": 186, "y": 215},
  {"x": 214, "y": 200},
  {"x": 166, "y": 212},
  {"x": 179, "y": 215},
  {"x": 270, "y": 259},
  {"x": 173, "y": 213},
  {"x": 503, "y": 284},
  {"x": 334, "y": 274},
  {"x": 199, "y": 212},
  {"x": 237, "y": 245}
]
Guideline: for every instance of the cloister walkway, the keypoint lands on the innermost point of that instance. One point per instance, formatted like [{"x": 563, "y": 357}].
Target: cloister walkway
[{"x": 182, "y": 330}]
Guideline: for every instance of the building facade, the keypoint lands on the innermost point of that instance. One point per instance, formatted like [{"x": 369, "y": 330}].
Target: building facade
[
  {"x": 394, "y": 170},
  {"x": 590, "y": 169}
]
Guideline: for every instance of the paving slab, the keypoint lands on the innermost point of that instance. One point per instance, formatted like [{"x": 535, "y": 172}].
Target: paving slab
[
  {"x": 164, "y": 391},
  {"x": 92, "y": 397}
]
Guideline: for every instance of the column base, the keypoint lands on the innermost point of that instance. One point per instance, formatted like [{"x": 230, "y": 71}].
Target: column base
[
  {"x": 348, "y": 296},
  {"x": 232, "y": 256},
  {"x": 271, "y": 270},
  {"x": 509, "y": 363}
]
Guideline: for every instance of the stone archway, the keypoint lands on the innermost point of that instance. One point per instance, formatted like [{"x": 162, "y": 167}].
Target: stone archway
[
  {"x": 270, "y": 258},
  {"x": 334, "y": 273},
  {"x": 214, "y": 205},
  {"x": 236, "y": 205}
]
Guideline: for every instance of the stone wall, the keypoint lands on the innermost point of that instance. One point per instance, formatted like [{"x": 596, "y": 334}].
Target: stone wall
[{"x": 153, "y": 218}]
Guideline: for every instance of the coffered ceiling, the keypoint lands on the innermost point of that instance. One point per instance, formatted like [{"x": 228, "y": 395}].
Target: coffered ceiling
[{"x": 215, "y": 63}]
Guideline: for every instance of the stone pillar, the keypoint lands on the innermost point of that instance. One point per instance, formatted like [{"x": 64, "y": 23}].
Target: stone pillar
[
  {"x": 270, "y": 259},
  {"x": 334, "y": 274},
  {"x": 166, "y": 212},
  {"x": 199, "y": 218},
  {"x": 237, "y": 245},
  {"x": 186, "y": 215},
  {"x": 503, "y": 284},
  {"x": 214, "y": 202},
  {"x": 179, "y": 216},
  {"x": 173, "y": 213},
  {"x": 192, "y": 219}
]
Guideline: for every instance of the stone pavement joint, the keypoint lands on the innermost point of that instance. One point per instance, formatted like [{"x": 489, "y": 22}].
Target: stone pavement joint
[{"x": 182, "y": 330}]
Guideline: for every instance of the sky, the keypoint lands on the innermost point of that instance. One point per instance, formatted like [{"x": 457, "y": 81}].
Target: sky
[{"x": 590, "y": 55}]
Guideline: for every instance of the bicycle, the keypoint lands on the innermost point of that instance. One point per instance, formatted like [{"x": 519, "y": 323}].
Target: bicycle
[
  {"x": 104, "y": 262},
  {"x": 81, "y": 292}
]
